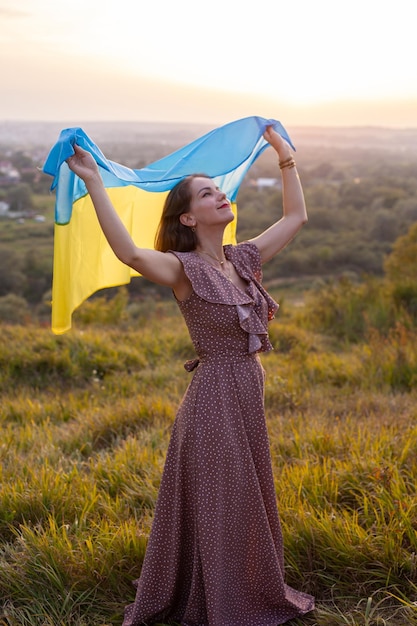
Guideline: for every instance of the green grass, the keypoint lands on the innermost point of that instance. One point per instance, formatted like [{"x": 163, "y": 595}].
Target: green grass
[{"x": 85, "y": 421}]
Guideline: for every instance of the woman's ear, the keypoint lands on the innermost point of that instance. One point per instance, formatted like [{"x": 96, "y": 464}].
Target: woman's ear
[{"x": 187, "y": 219}]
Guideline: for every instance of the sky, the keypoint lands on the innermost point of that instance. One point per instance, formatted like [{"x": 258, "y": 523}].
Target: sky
[{"x": 304, "y": 62}]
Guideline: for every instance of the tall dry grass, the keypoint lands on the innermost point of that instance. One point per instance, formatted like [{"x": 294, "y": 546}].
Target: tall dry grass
[{"x": 85, "y": 421}]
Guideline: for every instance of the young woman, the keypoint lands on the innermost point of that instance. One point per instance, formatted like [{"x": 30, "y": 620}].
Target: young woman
[{"x": 215, "y": 553}]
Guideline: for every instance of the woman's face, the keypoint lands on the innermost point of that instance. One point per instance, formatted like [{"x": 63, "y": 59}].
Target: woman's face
[{"x": 209, "y": 204}]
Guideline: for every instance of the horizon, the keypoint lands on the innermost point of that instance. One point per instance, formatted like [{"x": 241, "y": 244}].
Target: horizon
[
  {"x": 71, "y": 123},
  {"x": 170, "y": 136},
  {"x": 45, "y": 134}
]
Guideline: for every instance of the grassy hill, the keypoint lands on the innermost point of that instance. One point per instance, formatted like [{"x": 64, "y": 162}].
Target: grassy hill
[
  {"x": 85, "y": 417},
  {"x": 85, "y": 423}
]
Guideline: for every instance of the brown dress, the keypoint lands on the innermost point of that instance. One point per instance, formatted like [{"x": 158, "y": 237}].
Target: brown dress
[{"x": 215, "y": 553}]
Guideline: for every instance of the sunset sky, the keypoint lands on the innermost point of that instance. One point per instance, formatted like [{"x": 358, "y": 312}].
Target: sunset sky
[{"x": 303, "y": 62}]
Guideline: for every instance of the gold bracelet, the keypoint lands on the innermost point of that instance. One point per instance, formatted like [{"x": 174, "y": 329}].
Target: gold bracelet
[
  {"x": 288, "y": 164},
  {"x": 283, "y": 163}
]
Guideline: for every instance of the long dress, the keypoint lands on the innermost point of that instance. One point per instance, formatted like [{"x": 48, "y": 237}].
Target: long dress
[{"x": 215, "y": 552}]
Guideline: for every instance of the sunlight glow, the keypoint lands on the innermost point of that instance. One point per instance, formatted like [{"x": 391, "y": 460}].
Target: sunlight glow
[{"x": 303, "y": 53}]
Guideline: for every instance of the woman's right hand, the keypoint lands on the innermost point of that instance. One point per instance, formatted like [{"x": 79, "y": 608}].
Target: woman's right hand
[
  {"x": 83, "y": 164},
  {"x": 278, "y": 143}
]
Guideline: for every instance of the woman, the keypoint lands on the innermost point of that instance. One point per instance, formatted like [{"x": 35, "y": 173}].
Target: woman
[{"x": 215, "y": 553}]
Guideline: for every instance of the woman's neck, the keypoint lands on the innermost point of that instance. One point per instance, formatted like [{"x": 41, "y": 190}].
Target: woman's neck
[
  {"x": 212, "y": 244},
  {"x": 215, "y": 251}
]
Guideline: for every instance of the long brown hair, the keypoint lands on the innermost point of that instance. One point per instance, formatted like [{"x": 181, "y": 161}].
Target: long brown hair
[{"x": 171, "y": 233}]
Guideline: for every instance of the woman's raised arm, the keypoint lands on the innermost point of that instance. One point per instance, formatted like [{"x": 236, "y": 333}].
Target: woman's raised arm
[
  {"x": 277, "y": 236},
  {"x": 160, "y": 267}
]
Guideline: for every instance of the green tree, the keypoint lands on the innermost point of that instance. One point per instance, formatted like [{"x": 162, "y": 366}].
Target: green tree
[
  {"x": 357, "y": 194},
  {"x": 385, "y": 226},
  {"x": 38, "y": 273},
  {"x": 12, "y": 278},
  {"x": 401, "y": 265},
  {"x": 20, "y": 198},
  {"x": 401, "y": 271}
]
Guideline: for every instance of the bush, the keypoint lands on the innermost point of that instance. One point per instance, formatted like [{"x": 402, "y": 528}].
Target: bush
[
  {"x": 401, "y": 265},
  {"x": 101, "y": 310},
  {"x": 13, "y": 309},
  {"x": 347, "y": 310}
]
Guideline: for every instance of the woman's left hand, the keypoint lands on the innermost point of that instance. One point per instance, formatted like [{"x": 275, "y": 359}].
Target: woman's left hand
[{"x": 278, "y": 143}]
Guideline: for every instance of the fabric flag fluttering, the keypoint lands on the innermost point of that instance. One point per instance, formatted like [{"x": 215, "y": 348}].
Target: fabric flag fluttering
[{"x": 83, "y": 260}]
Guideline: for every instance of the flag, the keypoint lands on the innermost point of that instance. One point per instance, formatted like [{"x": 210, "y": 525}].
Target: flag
[{"x": 83, "y": 260}]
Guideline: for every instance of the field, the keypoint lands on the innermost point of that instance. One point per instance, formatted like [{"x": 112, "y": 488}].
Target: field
[
  {"x": 85, "y": 418},
  {"x": 85, "y": 422}
]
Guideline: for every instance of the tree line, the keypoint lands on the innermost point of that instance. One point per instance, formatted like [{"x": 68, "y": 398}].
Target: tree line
[{"x": 360, "y": 202}]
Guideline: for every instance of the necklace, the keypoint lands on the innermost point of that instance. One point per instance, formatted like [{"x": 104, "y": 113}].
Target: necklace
[
  {"x": 221, "y": 262},
  {"x": 216, "y": 258}
]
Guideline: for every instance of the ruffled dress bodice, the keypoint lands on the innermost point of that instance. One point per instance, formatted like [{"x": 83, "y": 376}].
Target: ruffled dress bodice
[{"x": 222, "y": 319}]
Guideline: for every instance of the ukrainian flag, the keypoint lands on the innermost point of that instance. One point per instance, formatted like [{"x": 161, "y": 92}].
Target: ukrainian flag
[{"x": 83, "y": 260}]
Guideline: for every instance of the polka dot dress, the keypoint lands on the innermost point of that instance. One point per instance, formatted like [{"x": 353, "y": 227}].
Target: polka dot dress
[{"x": 215, "y": 553}]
